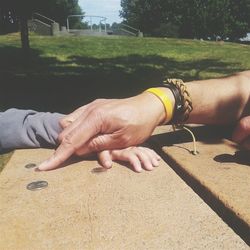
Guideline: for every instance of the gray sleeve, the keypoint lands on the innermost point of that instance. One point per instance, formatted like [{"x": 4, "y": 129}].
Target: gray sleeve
[{"x": 28, "y": 129}]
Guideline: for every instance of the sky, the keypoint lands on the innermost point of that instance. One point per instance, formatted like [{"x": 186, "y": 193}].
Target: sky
[{"x": 106, "y": 8}]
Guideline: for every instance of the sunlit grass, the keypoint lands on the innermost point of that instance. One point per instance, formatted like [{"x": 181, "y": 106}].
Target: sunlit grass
[{"x": 4, "y": 158}]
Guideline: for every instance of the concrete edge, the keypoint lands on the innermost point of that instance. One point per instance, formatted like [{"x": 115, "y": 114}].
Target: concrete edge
[{"x": 229, "y": 216}]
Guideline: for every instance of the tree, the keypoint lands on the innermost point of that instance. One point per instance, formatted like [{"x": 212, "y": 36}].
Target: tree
[
  {"x": 189, "y": 18},
  {"x": 146, "y": 15},
  {"x": 59, "y": 10},
  {"x": 8, "y": 21},
  {"x": 13, "y": 12},
  {"x": 239, "y": 20}
]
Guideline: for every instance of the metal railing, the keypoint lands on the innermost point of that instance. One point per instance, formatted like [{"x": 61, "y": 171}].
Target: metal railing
[
  {"x": 42, "y": 18},
  {"x": 102, "y": 21},
  {"x": 128, "y": 29}
]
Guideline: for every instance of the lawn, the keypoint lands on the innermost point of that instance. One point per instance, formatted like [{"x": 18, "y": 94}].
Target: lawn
[
  {"x": 4, "y": 159},
  {"x": 63, "y": 73}
]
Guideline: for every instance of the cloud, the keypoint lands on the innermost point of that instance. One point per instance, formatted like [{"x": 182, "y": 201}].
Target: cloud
[{"x": 108, "y": 8}]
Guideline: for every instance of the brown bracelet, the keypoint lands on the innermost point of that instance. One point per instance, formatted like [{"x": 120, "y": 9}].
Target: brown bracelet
[{"x": 183, "y": 102}]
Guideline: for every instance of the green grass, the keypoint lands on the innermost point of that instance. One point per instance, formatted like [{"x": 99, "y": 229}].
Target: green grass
[
  {"x": 63, "y": 73},
  {"x": 4, "y": 158}
]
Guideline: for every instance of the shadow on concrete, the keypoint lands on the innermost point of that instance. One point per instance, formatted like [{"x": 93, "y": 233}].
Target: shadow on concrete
[
  {"x": 208, "y": 135},
  {"x": 240, "y": 157}
]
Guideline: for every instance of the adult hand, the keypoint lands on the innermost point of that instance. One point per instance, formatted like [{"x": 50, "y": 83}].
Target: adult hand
[
  {"x": 107, "y": 124},
  {"x": 241, "y": 133}
]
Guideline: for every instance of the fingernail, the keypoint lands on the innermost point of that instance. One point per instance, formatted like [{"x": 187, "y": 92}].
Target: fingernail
[
  {"x": 138, "y": 169},
  {"x": 156, "y": 163},
  {"x": 43, "y": 165},
  {"x": 108, "y": 164}
]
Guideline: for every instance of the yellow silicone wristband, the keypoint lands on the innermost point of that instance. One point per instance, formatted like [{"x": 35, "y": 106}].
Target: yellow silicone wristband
[{"x": 165, "y": 101}]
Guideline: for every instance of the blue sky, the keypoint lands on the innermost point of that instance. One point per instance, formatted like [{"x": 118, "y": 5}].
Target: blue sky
[{"x": 106, "y": 8}]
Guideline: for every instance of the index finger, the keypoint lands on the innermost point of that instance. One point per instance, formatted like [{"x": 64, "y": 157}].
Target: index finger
[
  {"x": 72, "y": 142},
  {"x": 62, "y": 153}
]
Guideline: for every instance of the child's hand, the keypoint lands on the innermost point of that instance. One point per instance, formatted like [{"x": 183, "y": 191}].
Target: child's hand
[{"x": 138, "y": 157}]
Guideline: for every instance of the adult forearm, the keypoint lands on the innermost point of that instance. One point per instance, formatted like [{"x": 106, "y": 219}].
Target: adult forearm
[{"x": 220, "y": 101}]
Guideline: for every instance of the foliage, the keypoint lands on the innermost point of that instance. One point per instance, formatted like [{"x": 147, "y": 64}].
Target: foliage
[
  {"x": 12, "y": 10},
  {"x": 59, "y": 10},
  {"x": 189, "y": 19}
]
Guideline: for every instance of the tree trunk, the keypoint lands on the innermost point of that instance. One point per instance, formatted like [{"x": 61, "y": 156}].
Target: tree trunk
[{"x": 25, "y": 35}]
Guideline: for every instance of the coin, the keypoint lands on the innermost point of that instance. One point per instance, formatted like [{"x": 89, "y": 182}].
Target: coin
[
  {"x": 37, "y": 185},
  {"x": 30, "y": 165}
]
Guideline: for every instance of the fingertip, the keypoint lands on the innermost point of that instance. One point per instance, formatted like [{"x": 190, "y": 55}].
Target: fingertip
[
  {"x": 44, "y": 166},
  {"x": 49, "y": 164},
  {"x": 137, "y": 166},
  {"x": 105, "y": 159},
  {"x": 107, "y": 164},
  {"x": 158, "y": 157},
  {"x": 137, "y": 169},
  {"x": 155, "y": 162},
  {"x": 149, "y": 166}
]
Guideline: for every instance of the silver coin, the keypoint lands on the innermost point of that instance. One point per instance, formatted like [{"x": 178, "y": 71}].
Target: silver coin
[
  {"x": 37, "y": 185},
  {"x": 30, "y": 165}
]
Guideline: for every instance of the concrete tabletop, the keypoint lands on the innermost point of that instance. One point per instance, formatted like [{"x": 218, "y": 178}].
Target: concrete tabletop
[
  {"x": 220, "y": 172},
  {"x": 84, "y": 208}
]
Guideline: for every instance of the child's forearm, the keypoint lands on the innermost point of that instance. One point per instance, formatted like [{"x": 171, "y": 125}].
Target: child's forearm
[{"x": 28, "y": 129}]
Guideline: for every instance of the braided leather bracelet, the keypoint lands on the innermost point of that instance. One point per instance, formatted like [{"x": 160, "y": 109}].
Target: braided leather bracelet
[{"x": 183, "y": 102}]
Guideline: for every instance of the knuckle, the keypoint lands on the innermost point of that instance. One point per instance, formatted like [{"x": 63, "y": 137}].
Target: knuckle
[
  {"x": 97, "y": 144},
  {"x": 126, "y": 140},
  {"x": 98, "y": 111},
  {"x": 68, "y": 142},
  {"x": 60, "y": 138},
  {"x": 98, "y": 101},
  {"x": 63, "y": 122}
]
